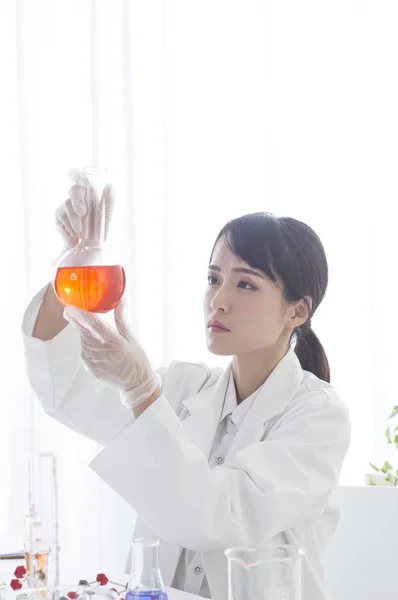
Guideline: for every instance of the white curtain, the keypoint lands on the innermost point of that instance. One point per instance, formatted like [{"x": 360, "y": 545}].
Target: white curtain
[{"x": 202, "y": 111}]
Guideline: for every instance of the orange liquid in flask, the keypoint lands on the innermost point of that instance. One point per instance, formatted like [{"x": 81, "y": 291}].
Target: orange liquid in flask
[{"x": 97, "y": 289}]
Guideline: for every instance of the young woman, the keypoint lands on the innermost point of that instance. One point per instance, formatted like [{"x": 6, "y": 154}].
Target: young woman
[{"x": 248, "y": 455}]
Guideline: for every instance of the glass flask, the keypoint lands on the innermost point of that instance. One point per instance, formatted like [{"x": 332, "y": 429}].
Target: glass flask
[
  {"x": 41, "y": 521},
  {"x": 86, "y": 275},
  {"x": 145, "y": 581},
  {"x": 272, "y": 572}
]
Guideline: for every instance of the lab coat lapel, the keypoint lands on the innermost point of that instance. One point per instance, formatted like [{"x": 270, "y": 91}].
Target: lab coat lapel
[
  {"x": 205, "y": 409},
  {"x": 272, "y": 399}
]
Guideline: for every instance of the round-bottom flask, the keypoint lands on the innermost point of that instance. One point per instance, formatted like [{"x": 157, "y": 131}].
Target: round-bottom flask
[{"x": 86, "y": 276}]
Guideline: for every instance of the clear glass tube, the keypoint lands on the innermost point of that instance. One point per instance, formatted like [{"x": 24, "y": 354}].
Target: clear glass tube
[
  {"x": 146, "y": 581},
  {"x": 272, "y": 572},
  {"x": 41, "y": 521}
]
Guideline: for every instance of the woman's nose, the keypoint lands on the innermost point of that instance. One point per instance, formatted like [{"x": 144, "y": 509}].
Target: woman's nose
[{"x": 220, "y": 300}]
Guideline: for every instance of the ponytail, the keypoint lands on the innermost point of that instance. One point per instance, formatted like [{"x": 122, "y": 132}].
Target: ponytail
[{"x": 310, "y": 352}]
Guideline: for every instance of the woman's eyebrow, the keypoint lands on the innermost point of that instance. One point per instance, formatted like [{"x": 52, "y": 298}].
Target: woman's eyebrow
[{"x": 239, "y": 270}]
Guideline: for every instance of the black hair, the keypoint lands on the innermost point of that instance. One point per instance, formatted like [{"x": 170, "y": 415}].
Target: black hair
[{"x": 290, "y": 253}]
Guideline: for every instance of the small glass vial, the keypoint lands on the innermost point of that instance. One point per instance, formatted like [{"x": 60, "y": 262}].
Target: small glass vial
[{"x": 146, "y": 581}]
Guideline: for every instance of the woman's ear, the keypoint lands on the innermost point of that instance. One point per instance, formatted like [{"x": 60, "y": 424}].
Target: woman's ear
[
  {"x": 308, "y": 301},
  {"x": 301, "y": 312}
]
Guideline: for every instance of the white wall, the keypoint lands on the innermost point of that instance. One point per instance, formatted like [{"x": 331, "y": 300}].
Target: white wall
[{"x": 362, "y": 560}]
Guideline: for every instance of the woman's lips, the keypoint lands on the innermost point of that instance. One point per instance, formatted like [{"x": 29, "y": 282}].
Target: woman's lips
[{"x": 217, "y": 327}]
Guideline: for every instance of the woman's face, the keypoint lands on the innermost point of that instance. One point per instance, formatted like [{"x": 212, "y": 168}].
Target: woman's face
[{"x": 247, "y": 303}]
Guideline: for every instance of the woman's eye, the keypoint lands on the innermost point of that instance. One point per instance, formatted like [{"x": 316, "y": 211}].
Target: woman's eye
[
  {"x": 211, "y": 280},
  {"x": 246, "y": 286}
]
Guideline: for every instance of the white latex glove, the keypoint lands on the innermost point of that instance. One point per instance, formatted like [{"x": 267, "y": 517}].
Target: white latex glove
[
  {"x": 79, "y": 214},
  {"x": 115, "y": 358}
]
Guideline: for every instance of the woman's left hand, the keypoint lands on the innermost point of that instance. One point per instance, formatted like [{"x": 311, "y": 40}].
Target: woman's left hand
[{"x": 115, "y": 358}]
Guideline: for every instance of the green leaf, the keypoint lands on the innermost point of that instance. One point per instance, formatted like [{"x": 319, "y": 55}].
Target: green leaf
[
  {"x": 371, "y": 480},
  {"x": 394, "y": 412},
  {"x": 388, "y": 435},
  {"x": 388, "y": 478},
  {"x": 376, "y": 468},
  {"x": 386, "y": 467},
  {"x": 396, "y": 428}
]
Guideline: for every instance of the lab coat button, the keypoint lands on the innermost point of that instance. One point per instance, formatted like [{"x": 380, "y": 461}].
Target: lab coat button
[
  {"x": 220, "y": 460},
  {"x": 198, "y": 570}
]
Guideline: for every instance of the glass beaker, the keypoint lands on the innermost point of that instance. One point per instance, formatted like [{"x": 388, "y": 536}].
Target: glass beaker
[
  {"x": 86, "y": 276},
  {"x": 145, "y": 581},
  {"x": 272, "y": 572}
]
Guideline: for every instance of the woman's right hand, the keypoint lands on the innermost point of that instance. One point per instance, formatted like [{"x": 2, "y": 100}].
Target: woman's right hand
[{"x": 80, "y": 212}]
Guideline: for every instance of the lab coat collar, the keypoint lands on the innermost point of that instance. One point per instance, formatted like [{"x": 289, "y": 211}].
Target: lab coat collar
[
  {"x": 208, "y": 396},
  {"x": 206, "y": 406},
  {"x": 231, "y": 408},
  {"x": 273, "y": 398},
  {"x": 230, "y": 403},
  {"x": 205, "y": 409}
]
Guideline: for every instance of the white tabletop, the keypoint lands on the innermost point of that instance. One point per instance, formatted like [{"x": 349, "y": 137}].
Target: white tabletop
[
  {"x": 174, "y": 594},
  {"x": 7, "y": 568}
]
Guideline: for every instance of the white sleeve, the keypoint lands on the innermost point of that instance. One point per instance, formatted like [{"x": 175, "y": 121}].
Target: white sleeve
[
  {"x": 64, "y": 388},
  {"x": 74, "y": 397}
]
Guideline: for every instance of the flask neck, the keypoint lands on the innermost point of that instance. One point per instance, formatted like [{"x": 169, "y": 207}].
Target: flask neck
[
  {"x": 87, "y": 243},
  {"x": 93, "y": 223},
  {"x": 145, "y": 573},
  {"x": 93, "y": 228}
]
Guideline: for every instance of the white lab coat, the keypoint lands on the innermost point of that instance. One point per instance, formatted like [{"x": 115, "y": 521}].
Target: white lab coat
[{"x": 276, "y": 483}]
